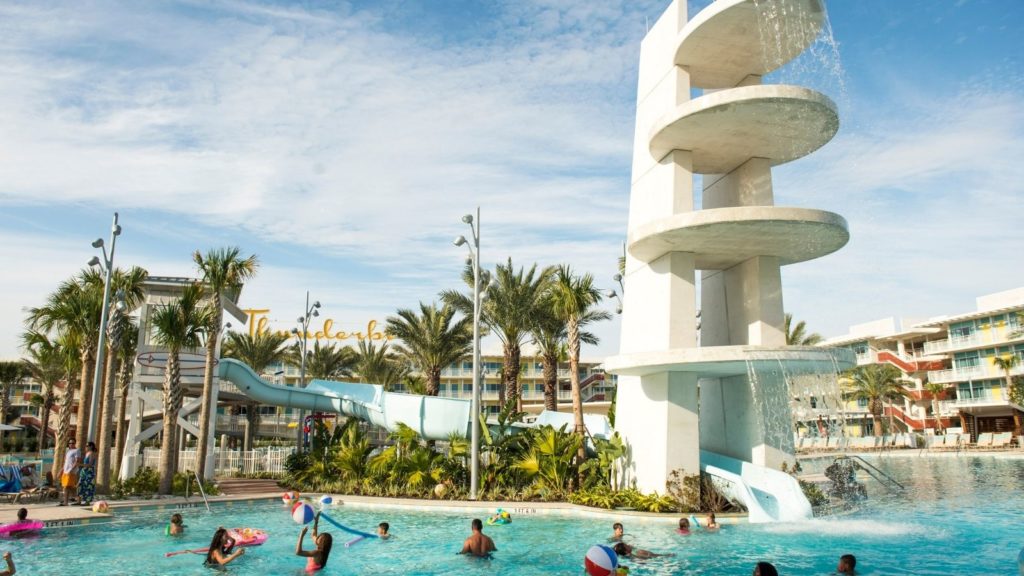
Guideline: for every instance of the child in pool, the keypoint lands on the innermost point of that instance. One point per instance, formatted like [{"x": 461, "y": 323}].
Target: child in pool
[
  {"x": 627, "y": 551},
  {"x": 316, "y": 559},
  {"x": 382, "y": 530},
  {"x": 684, "y": 527},
  {"x": 177, "y": 525},
  {"x": 220, "y": 551}
]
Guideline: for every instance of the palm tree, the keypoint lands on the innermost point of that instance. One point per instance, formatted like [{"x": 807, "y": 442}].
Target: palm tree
[
  {"x": 934, "y": 388},
  {"x": 12, "y": 373},
  {"x": 126, "y": 361},
  {"x": 178, "y": 326},
  {"x": 431, "y": 340},
  {"x": 549, "y": 336},
  {"x": 259, "y": 352},
  {"x": 223, "y": 269},
  {"x": 379, "y": 365},
  {"x": 1007, "y": 364},
  {"x": 74, "y": 309},
  {"x": 46, "y": 364},
  {"x": 874, "y": 383},
  {"x": 512, "y": 302},
  {"x": 129, "y": 285},
  {"x": 571, "y": 298},
  {"x": 327, "y": 362},
  {"x": 797, "y": 335}
]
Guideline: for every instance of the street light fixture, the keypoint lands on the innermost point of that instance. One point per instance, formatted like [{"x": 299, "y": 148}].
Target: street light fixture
[
  {"x": 107, "y": 264},
  {"x": 312, "y": 311},
  {"x": 474, "y": 252}
]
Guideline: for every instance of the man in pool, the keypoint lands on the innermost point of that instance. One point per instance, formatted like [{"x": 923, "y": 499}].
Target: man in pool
[
  {"x": 617, "y": 532},
  {"x": 478, "y": 544},
  {"x": 847, "y": 565}
]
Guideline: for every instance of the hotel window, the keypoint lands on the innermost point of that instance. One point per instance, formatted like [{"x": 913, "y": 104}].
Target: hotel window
[
  {"x": 967, "y": 362},
  {"x": 468, "y": 387},
  {"x": 492, "y": 388},
  {"x": 961, "y": 332},
  {"x": 862, "y": 402}
]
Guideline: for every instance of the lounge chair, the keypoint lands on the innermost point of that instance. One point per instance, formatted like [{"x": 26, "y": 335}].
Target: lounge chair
[
  {"x": 1002, "y": 440},
  {"x": 984, "y": 441}
]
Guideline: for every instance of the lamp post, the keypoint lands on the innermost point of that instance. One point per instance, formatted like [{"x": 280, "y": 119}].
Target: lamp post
[
  {"x": 108, "y": 265},
  {"x": 312, "y": 311},
  {"x": 474, "y": 251}
]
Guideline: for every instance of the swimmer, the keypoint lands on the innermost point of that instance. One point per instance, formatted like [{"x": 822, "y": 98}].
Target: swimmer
[
  {"x": 501, "y": 517},
  {"x": 220, "y": 551},
  {"x": 317, "y": 558},
  {"x": 177, "y": 525},
  {"x": 382, "y": 531},
  {"x": 684, "y": 527},
  {"x": 627, "y": 551},
  {"x": 847, "y": 565},
  {"x": 478, "y": 544},
  {"x": 617, "y": 532},
  {"x": 765, "y": 569},
  {"x": 712, "y": 524},
  {"x": 11, "y": 570}
]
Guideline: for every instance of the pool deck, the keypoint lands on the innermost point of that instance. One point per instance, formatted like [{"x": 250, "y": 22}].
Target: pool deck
[{"x": 55, "y": 516}]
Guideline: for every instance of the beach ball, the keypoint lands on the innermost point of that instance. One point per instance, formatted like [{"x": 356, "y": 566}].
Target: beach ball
[
  {"x": 440, "y": 490},
  {"x": 326, "y": 500},
  {"x": 302, "y": 513},
  {"x": 601, "y": 561},
  {"x": 289, "y": 496},
  {"x": 101, "y": 507}
]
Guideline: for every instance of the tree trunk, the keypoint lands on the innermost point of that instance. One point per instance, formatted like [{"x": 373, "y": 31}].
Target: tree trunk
[
  {"x": 124, "y": 379},
  {"x": 84, "y": 397},
  {"x": 433, "y": 381},
  {"x": 574, "y": 380},
  {"x": 172, "y": 404},
  {"x": 60, "y": 446},
  {"x": 875, "y": 406},
  {"x": 211, "y": 360},
  {"x": 5, "y": 405},
  {"x": 551, "y": 382},
  {"x": 253, "y": 418},
  {"x": 935, "y": 413},
  {"x": 511, "y": 375},
  {"x": 106, "y": 423},
  {"x": 44, "y": 421}
]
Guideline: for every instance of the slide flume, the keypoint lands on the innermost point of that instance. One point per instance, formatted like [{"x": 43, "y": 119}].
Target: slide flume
[{"x": 769, "y": 495}]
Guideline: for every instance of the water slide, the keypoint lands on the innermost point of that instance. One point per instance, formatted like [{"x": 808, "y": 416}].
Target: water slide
[
  {"x": 432, "y": 417},
  {"x": 769, "y": 495}
]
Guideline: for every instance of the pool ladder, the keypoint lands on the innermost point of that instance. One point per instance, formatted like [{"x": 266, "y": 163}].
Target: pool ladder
[
  {"x": 882, "y": 478},
  {"x": 199, "y": 483}
]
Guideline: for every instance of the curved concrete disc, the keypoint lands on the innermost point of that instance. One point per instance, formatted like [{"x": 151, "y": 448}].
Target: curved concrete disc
[
  {"x": 732, "y": 39},
  {"x": 722, "y": 361},
  {"x": 725, "y": 129},
  {"x": 723, "y": 237}
]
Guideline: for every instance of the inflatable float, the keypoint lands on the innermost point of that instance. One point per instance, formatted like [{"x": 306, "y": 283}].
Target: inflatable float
[
  {"x": 21, "y": 527},
  {"x": 500, "y": 518}
]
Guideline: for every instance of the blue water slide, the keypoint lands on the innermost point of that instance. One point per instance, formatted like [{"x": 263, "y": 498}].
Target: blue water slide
[{"x": 432, "y": 417}]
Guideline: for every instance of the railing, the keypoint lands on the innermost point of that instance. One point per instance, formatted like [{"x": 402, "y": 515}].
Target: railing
[
  {"x": 956, "y": 374},
  {"x": 979, "y": 400},
  {"x": 227, "y": 462},
  {"x": 936, "y": 346}
]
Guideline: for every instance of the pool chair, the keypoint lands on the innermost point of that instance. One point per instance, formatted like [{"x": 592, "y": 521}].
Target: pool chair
[
  {"x": 984, "y": 441},
  {"x": 1001, "y": 441}
]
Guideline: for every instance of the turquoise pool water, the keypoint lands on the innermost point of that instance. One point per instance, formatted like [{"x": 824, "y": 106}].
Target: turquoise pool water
[{"x": 960, "y": 516}]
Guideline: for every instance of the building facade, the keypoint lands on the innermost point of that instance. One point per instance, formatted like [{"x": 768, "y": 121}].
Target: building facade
[{"x": 974, "y": 357}]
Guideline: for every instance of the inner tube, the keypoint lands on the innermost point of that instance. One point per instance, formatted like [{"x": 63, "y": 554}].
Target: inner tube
[
  {"x": 26, "y": 526},
  {"x": 248, "y": 536}
]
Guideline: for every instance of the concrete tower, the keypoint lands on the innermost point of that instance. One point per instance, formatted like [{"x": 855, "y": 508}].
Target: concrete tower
[{"x": 677, "y": 397}]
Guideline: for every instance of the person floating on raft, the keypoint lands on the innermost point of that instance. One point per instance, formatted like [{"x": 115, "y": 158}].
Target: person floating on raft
[
  {"x": 501, "y": 517},
  {"x": 22, "y": 527}
]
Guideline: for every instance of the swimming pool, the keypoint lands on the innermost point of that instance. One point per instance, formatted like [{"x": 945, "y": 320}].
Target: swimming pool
[{"x": 961, "y": 515}]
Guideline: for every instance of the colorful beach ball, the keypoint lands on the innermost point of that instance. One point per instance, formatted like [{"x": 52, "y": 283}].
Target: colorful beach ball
[
  {"x": 302, "y": 513},
  {"x": 326, "y": 500},
  {"x": 289, "y": 497},
  {"x": 101, "y": 507},
  {"x": 601, "y": 561}
]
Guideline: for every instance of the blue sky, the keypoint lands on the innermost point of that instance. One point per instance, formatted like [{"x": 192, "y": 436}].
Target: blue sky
[{"x": 342, "y": 142}]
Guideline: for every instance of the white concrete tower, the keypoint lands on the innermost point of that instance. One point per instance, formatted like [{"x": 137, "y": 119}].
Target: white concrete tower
[{"x": 732, "y": 135}]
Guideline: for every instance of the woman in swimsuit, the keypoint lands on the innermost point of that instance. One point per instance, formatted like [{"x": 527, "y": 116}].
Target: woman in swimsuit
[
  {"x": 316, "y": 558},
  {"x": 220, "y": 552}
]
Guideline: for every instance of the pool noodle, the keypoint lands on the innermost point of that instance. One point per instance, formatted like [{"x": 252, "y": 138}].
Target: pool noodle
[
  {"x": 346, "y": 528},
  {"x": 353, "y": 541}
]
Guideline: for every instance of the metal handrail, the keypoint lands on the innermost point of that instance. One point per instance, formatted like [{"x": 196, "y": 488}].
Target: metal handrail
[
  {"x": 874, "y": 472},
  {"x": 188, "y": 484}
]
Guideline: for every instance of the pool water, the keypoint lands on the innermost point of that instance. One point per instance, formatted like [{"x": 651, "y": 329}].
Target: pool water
[{"x": 959, "y": 515}]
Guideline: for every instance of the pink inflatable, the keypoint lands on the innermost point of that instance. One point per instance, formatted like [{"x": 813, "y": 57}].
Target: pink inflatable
[{"x": 17, "y": 527}]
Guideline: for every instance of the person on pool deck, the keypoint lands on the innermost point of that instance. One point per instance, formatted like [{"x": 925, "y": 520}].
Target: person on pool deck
[
  {"x": 684, "y": 527},
  {"x": 478, "y": 544},
  {"x": 765, "y": 569},
  {"x": 712, "y": 523},
  {"x": 316, "y": 559},
  {"x": 220, "y": 551},
  {"x": 627, "y": 551},
  {"x": 382, "y": 530},
  {"x": 69, "y": 477},
  {"x": 177, "y": 525},
  {"x": 617, "y": 531},
  {"x": 11, "y": 570},
  {"x": 847, "y": 565}
]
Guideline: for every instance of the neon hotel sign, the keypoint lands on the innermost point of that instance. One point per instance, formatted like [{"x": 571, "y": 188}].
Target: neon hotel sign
[{"x": 260, "y": 324}]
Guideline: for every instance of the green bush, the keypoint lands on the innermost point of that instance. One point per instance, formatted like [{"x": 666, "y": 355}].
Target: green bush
[{"x": 144, "y": 484}]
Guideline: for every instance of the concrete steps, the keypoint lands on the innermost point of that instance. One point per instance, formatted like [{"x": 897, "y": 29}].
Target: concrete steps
[{"x": 247, "y": 486}]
